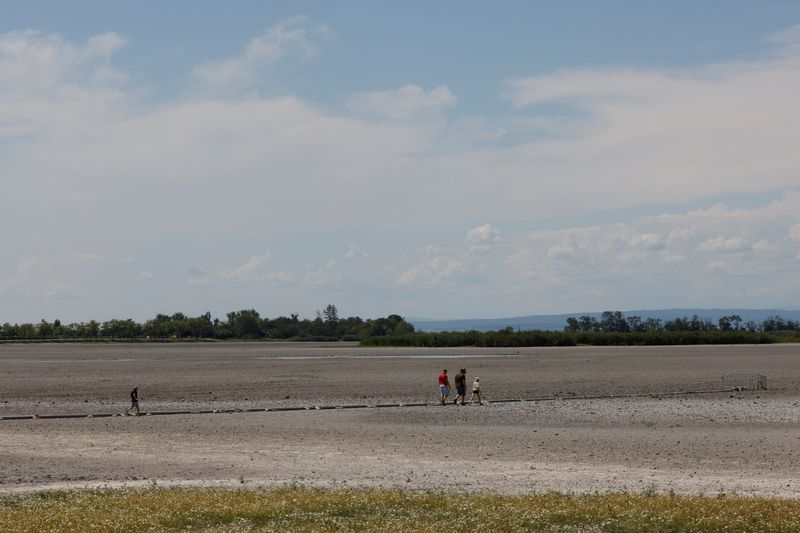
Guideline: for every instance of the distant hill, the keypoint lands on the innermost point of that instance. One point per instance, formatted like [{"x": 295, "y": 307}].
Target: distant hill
[{"x": 556, "y": 322}]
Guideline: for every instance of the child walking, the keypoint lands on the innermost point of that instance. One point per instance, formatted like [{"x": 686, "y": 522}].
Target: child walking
[{"x": 476, "y": 390}]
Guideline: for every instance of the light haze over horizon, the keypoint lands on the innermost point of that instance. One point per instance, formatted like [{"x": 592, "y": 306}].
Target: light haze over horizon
[{"x": 431, "y": 159}]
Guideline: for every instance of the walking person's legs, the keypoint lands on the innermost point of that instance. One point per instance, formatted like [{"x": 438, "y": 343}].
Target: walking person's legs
[{"x": 461, "y": 396}]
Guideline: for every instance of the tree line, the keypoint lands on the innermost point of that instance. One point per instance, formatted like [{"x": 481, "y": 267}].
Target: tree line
[
  {"x": 246, "y": 324},
  {"x": 616, "y": 322},
  {"x": 517, "y": 339},
  {"x": 612, "y": 329}
]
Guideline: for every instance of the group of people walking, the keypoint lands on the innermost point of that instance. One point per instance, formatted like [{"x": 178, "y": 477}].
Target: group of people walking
[
  {"x": 461, "y": 388},
  {"x": 444, "y": 390}
]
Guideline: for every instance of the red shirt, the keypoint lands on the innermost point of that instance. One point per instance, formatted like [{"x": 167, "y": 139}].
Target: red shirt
[{"x": 442, "y": 379}]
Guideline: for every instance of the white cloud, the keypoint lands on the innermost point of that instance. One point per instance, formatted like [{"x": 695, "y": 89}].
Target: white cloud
[
  {"x": 680, "y": 234},
  {"x": 483, "y": 235},
  {"x": 191, "y": 270},
  {"x": 794, "y": 232},
  {"x": 717, "y": 266},
  {"x": 671, "y": 257},
  {"x": 62, "y": 277},
  {"x": 243, "y": 170},
  {"x": 30, "y": 264},
  {"x": 765, "y": 248},
  {"x": 718, "y": 245},
  {"x": 32, "y": 62},
  {"x": 563, "y": 246},
  {"x": 254, "y": 272},
  {"x": 403, "y": 103},
  {"x": 789, "y": 38},
  {"x": 251, "y": 267},
  {"x": 61, "y": 291},
  {"x": 601, "y": 266},
  {"x": 78, "y": 148},
  {"x": 327, "y": 276},
  {"x": 281, "y": 277},
  {"x": 103, "y": 46},
  {"x": 592, "y": 86},
  {"x": 355, "y": 252},
  {"x": 474, "y": 132},
  {"x": 613, "y": 265},
  {"x": 641, "y": 136},
  {"x": 561, "y": 251},
  {"x": 431, "y": 271},
  {"x": 294, "y": 38},
  {"x": 646, "y": 241}
]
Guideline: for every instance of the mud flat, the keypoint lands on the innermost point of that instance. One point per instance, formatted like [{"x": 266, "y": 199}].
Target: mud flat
[{"x": 745, "y": 442}]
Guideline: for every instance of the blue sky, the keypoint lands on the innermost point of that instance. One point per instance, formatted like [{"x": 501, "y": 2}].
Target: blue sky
[{"x": 437, "y": 159}]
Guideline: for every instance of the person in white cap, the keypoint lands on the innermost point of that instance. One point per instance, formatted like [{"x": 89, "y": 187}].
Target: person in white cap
[{"x": 476, "y": 390}]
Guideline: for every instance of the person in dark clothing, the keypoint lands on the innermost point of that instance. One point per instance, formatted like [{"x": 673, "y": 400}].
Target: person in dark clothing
[
  {"x": 461, "y": 386},
  {"x": 134, "y": 401}
]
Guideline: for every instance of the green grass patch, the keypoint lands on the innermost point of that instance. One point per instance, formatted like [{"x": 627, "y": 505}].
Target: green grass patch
[{"x": 305, "y": 509}]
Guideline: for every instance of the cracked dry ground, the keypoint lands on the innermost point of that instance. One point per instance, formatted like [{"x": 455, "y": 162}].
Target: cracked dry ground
[{"x": 742, "y": 442}]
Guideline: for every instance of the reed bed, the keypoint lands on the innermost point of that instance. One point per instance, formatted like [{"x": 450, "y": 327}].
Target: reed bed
[{"x": 307, "y": 509}]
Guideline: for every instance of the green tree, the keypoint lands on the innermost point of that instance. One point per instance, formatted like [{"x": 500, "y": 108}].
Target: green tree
[
  {"x": 45, "y": 329},
  {"x": 331, "y": 314},
  {"x": 245, "y": 324},
  {"x": 613, "y": 321},
  {"x": 331, "y": 318},
  {"x": 26, "y": 331},
  {"x": 634, "y": 323},
  {"x": 588, "y": 323}
]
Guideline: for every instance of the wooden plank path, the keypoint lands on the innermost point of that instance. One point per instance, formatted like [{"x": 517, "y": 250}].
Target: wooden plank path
[{"x": 361, "y": 406}]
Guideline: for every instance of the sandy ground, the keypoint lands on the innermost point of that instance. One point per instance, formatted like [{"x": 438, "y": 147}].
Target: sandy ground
[{"x": 745, "y": 442}]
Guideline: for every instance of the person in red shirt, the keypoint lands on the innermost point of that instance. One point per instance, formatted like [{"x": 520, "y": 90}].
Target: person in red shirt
[{"x": 444, "y": 385}]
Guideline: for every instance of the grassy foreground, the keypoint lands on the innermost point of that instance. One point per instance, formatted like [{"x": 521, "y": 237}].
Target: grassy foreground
[{"x": 303, "y": 509}]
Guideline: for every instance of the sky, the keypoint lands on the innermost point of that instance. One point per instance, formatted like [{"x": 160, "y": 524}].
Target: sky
[{"x": 434, "y": 159}]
